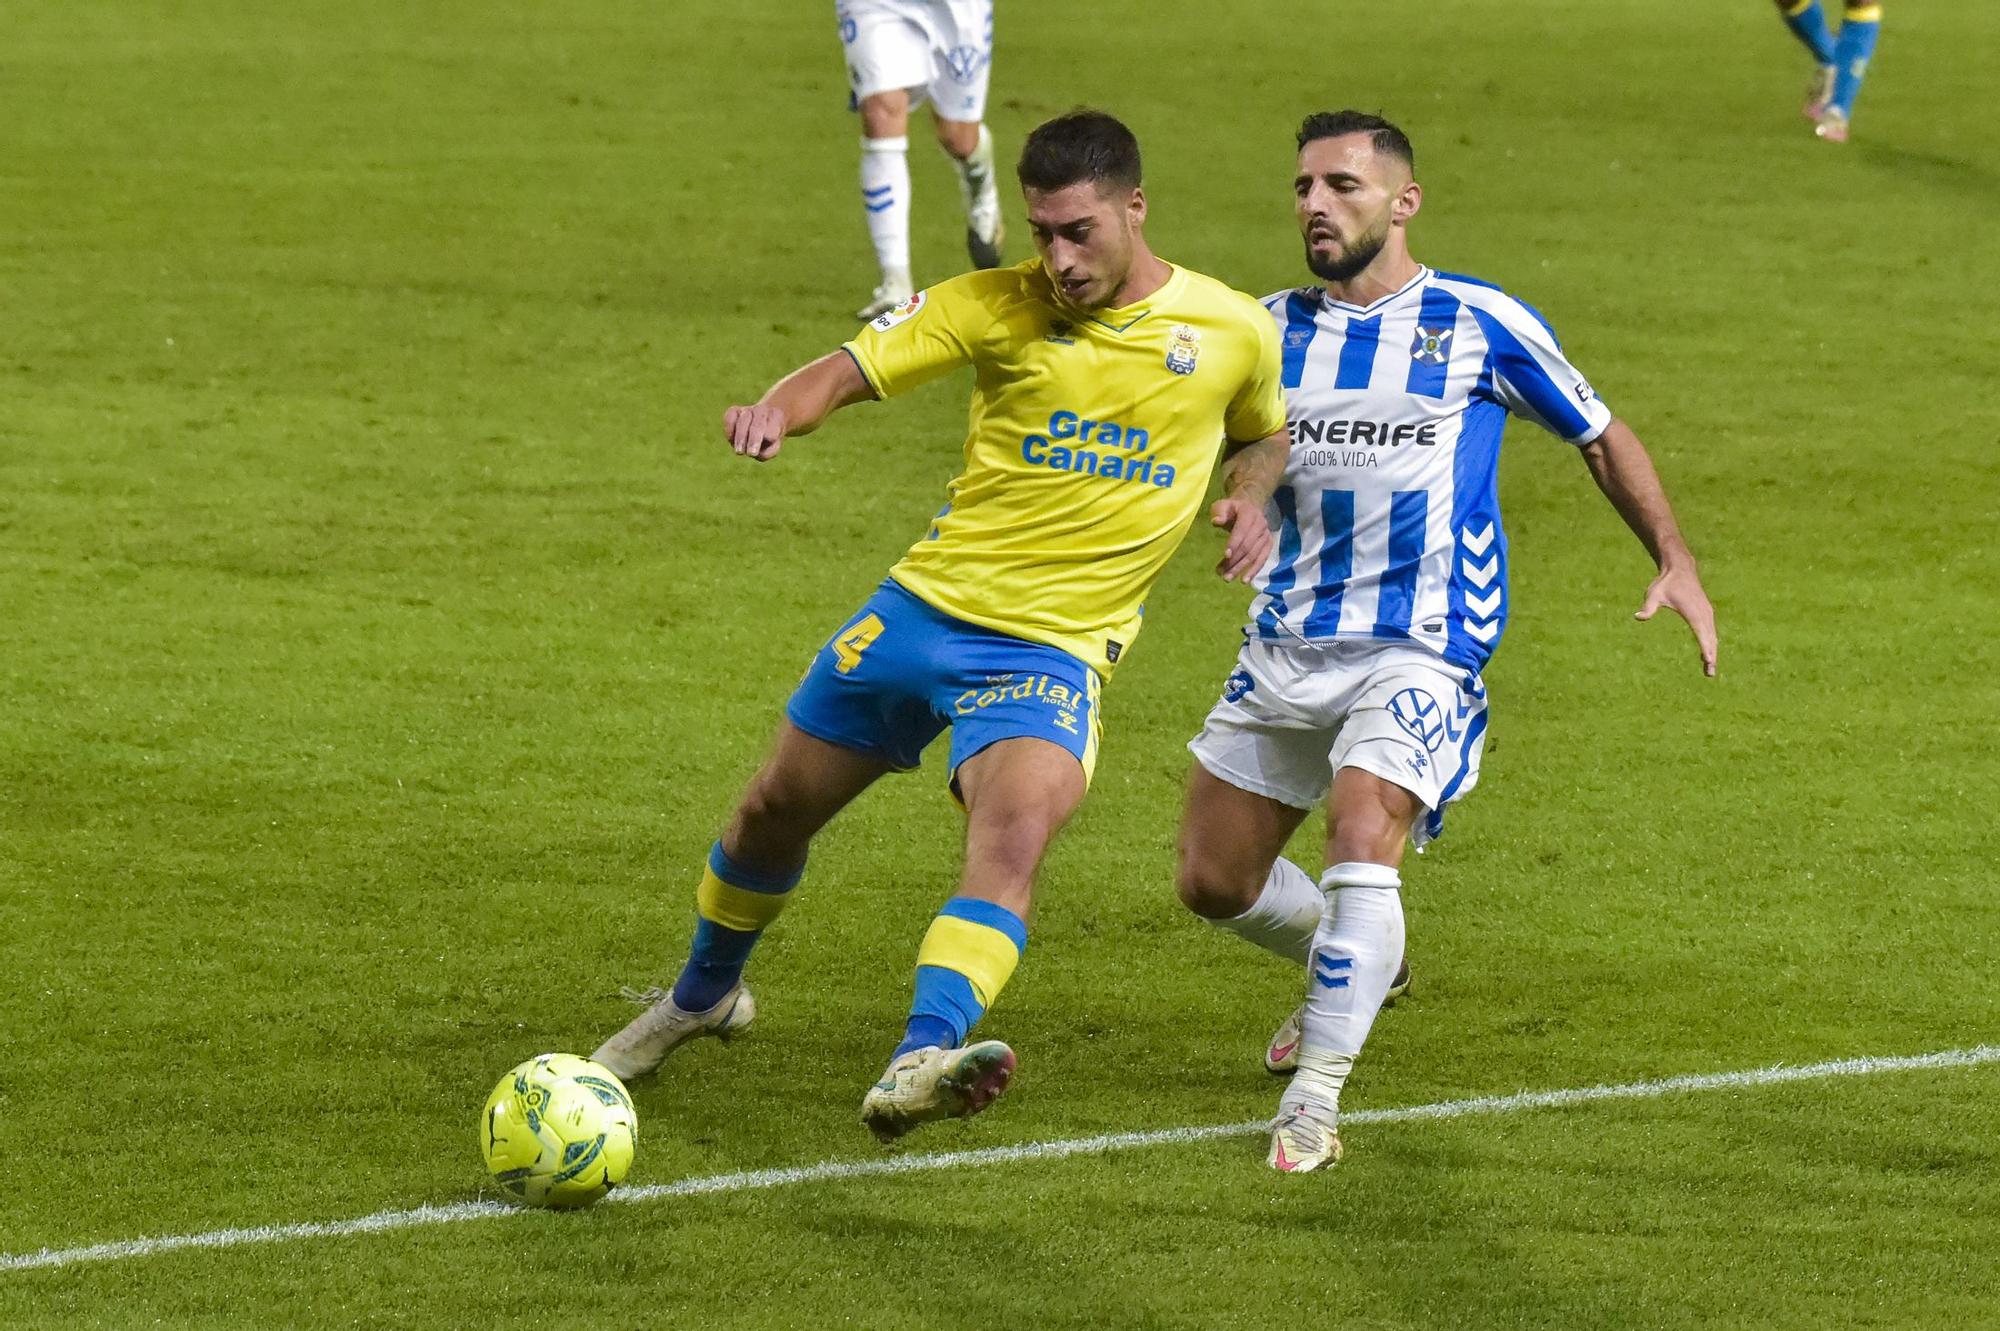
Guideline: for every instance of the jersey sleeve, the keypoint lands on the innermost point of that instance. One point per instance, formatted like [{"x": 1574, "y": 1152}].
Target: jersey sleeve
[
  {"x": 930, "y": 334},
  {"x": 1534, "y": 379},
  {"x": 1258, "y": 409}
]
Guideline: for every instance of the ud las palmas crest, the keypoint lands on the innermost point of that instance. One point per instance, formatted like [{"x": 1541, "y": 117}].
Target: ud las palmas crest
[{"x": 1183, "y": 349}]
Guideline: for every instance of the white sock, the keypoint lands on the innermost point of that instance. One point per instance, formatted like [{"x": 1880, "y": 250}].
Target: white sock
[
  {"x": 977, "y": 187},
  {"x": 1285, "y": 914},
  {"x": 885, "y": 199},
  {"x": 1355, "y": 955}
]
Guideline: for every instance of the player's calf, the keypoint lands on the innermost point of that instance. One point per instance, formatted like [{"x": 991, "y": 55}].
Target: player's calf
[{"x": 1281, "y": 1055}]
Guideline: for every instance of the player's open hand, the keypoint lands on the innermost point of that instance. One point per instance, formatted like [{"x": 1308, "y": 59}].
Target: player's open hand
[
  {"x": 1679, "y": 590},
  {"x": 755, "y": 431},
  {"x": 1249, "y": 538}
]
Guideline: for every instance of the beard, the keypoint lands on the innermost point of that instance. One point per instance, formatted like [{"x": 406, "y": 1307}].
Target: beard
[{"x": 1344, "y": 265}]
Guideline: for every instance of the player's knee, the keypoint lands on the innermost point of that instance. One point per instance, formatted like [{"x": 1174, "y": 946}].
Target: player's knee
[
  {"x": 958, "y": 137},
  {"x": 1208, "y": 888},
  {"x": 886, "y": 115},
  {"x": 1368, "y": 835},
  {"x": 772, "y": 823},
  {"x": 1011, "y": 843}
]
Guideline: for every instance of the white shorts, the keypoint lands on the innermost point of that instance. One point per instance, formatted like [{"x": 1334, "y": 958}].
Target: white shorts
[
  {"x": 1292, "y": 714},
  {"x": 940, "y": 49}
]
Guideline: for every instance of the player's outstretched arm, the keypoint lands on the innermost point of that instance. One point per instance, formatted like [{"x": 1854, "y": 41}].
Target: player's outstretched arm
[
  {"x": 1624, "y": 471},
  {"x": 1250, "y": 474},
  {"x": 796, "y": 404}
]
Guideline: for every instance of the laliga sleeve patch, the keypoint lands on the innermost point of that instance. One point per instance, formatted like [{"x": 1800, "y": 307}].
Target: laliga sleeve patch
[{"x": 898, "y": 314}]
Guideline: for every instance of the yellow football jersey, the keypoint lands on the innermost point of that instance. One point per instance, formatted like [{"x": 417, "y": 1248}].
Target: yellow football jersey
[{"x": 1090, "y": 446}]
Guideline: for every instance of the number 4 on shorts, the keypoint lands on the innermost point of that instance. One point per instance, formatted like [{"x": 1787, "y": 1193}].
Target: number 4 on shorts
[{"x": 856, "y": 640}]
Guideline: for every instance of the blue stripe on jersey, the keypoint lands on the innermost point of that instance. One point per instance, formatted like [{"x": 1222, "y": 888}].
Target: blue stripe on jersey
[
  {"x": 1475, "y": 513},
  {"x": 1437, "y": 317},
  {"x": 1301, "y": 322},
  {"x": 1357, "y": 353},
  {"x": 1469, "y": 281},
  {"x": 1286, "y": 571},
  {"x": 1409, "y": 512},
  {"x": 1525, "y": 375},
  {"x": 1495, "y": 286},
  {"x": 1336, "y": 562}
]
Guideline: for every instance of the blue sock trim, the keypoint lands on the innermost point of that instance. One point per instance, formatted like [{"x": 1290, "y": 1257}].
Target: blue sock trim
[
  {"x": 992, "y": 915},
  {"x": 1811, "y": 26},
  {"x": 714, "y": 965},
  {"x": 942, "y": 1010},
  {"x": 1850, "y": 58},
  {"x": 736, "y": 875},
  {"x": 923, "y": 1032}
]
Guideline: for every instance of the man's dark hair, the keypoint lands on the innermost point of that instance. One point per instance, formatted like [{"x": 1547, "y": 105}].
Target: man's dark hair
[
  {"x": 1083, "y": 145},
  {"x": 1385, "y": 136}
]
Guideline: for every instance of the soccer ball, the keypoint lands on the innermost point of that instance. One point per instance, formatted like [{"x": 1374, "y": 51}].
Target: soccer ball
[{"x": 559, "y": 1131}]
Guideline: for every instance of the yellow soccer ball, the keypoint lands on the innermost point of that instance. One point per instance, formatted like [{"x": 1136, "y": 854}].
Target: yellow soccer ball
[{"x": 559, "y": 1131}]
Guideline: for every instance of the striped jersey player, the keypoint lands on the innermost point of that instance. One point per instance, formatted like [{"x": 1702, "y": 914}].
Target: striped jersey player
[
  {"x": 1389, "y": 517},
  {"x": 1358, "y": 683}
]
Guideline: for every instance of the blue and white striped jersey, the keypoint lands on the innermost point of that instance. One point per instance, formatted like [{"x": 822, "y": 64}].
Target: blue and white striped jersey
[{"x": 1389, "y": 515}]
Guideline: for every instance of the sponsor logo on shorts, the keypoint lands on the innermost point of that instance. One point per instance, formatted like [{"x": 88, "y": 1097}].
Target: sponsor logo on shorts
[
  {"x": 1419, "y": 714},
  {"x": 964, "y": 62},
  {"x": 1065, "y": 700},
  {"x": 1237, "y": 687}
]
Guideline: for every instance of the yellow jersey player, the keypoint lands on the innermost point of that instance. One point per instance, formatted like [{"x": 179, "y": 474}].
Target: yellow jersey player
[
  {"x": 1839, "y": 62},
  {"x": 1105, "y": 378}
]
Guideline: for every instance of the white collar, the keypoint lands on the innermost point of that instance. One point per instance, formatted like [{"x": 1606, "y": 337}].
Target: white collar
[{"x": 1423, "y": 275}]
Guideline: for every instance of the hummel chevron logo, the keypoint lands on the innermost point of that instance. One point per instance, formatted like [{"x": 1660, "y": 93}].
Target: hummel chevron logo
[
  {"x": 1482, "y": 606},
  {"x": 1333, "y": 972},
  {"x": 1481, "y": 574}
]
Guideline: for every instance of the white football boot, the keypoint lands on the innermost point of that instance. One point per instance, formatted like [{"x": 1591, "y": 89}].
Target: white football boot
[
  {"x": 928, "y": 1084},
  {"x": 1302, "y": 1140},
  {"x": 984, "y": 229},
  {"x": 1282, "y": 1054},
  {"x": 1819, "y": 93},
  {"x": 665, "y": 1026},
  {"x": 980, "y": 193},
  {"x": 893, "y": 291}
]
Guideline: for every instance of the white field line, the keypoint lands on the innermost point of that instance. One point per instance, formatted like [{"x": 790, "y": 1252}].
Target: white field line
[{"x": 833, "y": 1170}]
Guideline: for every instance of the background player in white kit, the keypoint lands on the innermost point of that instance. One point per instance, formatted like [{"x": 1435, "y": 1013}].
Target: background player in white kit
[
  {"x": 900, "y": 52},
  {"x": 1359, "y": 679}
]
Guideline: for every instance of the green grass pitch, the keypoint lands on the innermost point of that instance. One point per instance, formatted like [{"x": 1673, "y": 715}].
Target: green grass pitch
[{"x": 385, "y": 630}]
